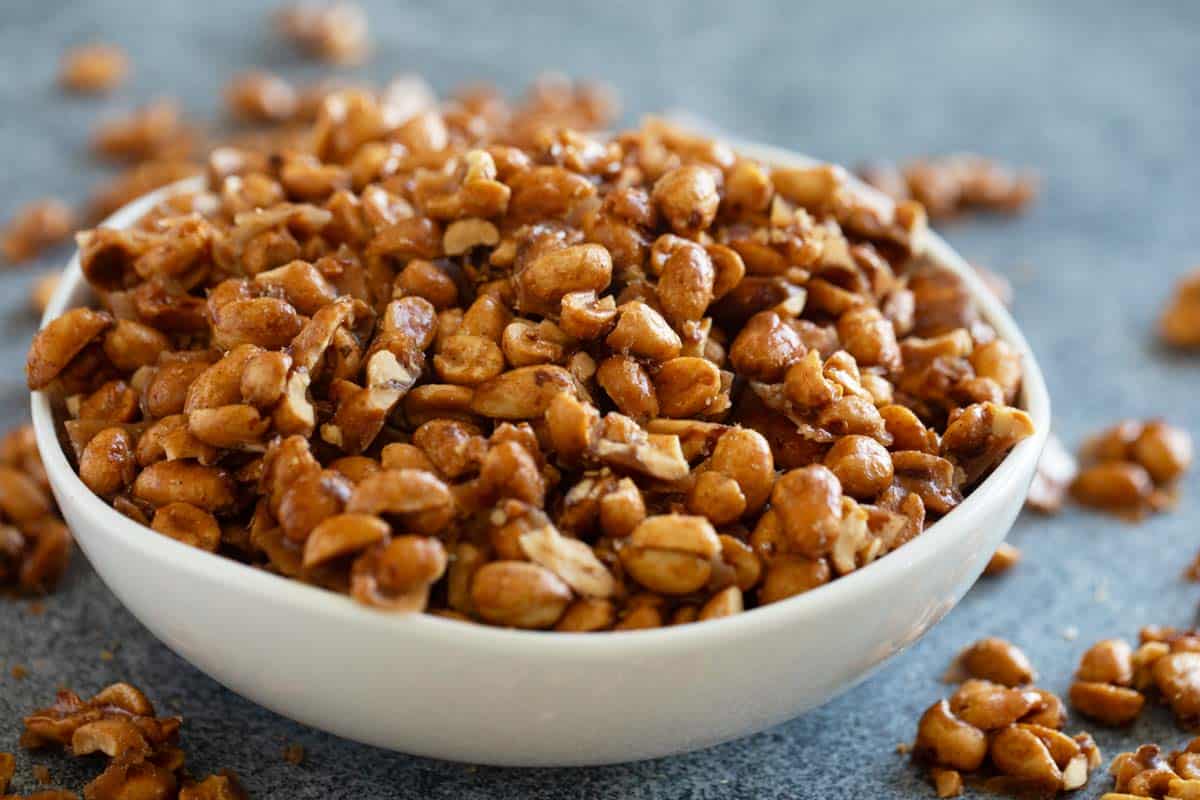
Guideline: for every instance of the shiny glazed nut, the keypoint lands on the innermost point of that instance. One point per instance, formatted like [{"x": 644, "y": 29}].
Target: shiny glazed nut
[
  {"x": 468, "y": 360},
  {"x": 464, "y": 235},
  {"x": 787, "y": 576},
  {"x": 717, "y": 497},
  {"x": 587, "y": 615},
  {"x": 688, "y": 198},
  {"x": 808, "y": 503},
  {"x": 686, "y": 386},
  {"x": 519, "y": 594},
  {"x": 745, "y": 456},
  {"x": 765, "y": 347},
  {"x": 724, "y": 603},
  {"x": 421, "y": 278},
  {"x": 1005, "y": 558},
  {"x": 1105, "y": 702},
  {"x": 415, "y": 497},
  {"x": 550, "y": 276},
  {"x": 1165, "y": 451},
  {"x": 1115, "y": 485},
  {"x": 396, "y": 576},
  {"x": 946, "y": 782},
  {"x": 997, "y": 660},
  {"x": 268, "y": 322},
  {"x": 129, "y": 345},
  {"x": 990, "y": 706},
  {"x": 643, "y": 333},
  {"x": 523, "y": 393},
  {"x": 1018, "y": 752},
  {"x": 232, "y": 427},
  {"x": 629, "y": 386},
  {"x": 113, "y": 402},
  {"x": 687, "y": 279},
  {"x": 342, "y": 535},
  {"x": 569, "y": 559},
  {"x": 1177, "y": 676},
  {"x": 167, "y": 390},
  {"x": 305, "y": 500},
  {"x": 946, "y": 740},
  {"x": 1107, "y": 661},
  {"x": 863, "y": 466},
  {"x": 671, "y": 553},
  {"x": 622, "y": 510},
  {"x": 188, "y": 524},
  {"x": 58, "y": 343},
  {"x": 107, "y": 465},
  {"x": 164, "y": 482},
  {"x": 1052, "y": 713}
]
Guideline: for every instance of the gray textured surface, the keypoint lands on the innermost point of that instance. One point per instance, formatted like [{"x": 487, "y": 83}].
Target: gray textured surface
[{"x": 1106, "y": 102}]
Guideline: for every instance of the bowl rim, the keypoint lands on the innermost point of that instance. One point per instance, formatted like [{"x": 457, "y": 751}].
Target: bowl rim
[{"x": 171, "y": 554}]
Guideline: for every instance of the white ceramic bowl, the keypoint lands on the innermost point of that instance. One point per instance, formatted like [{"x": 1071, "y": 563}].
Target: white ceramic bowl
[{"x": 473, "y": 693}]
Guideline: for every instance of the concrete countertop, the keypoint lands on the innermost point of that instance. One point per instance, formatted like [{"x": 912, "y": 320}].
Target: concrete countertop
[{"x": 1104, "y": 101}]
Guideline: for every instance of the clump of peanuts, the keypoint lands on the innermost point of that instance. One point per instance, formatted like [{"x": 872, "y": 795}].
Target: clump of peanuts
[
  {"x": 1146, "y": 772},
  {"x": 1114, "y": 680},
  {"x": 951, "y": 185},
  {"x": 459, "y": 358},
  {"x": 1001, "y": 729},
  {"x": 35, "y": 545},
  {"x": 119, "y": 722},
  {"x": 1130, "y": 467}
]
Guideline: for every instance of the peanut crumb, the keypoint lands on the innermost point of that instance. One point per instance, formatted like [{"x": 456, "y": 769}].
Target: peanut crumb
[{"x": 294, "y": 753}]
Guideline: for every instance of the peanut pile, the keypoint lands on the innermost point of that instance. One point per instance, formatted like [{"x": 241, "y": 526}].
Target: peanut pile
[
  {"x": 461, "y": 358},
  {"x": 1146, "y": 772},
  {"x": 35, "y": 545},
  {"x": 1131, "y": 467},
  {"x": 1114, "y": 680},
  {"x": 951, "y": 185},
  {"x": 1002, "y": 730},
  {"x": 144, "y": 757}
]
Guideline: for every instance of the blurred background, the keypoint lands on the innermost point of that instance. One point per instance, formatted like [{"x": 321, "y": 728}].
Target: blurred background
[{"x": 1102, "y": 99}]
